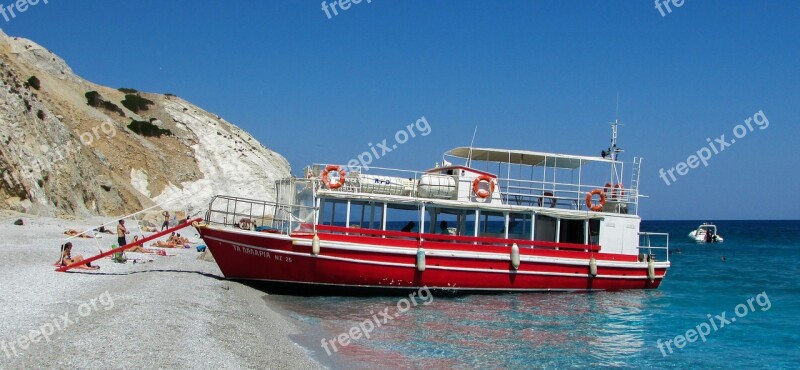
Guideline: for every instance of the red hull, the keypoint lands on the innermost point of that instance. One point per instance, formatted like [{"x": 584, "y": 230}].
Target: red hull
[{"x": 389, "y": 261}]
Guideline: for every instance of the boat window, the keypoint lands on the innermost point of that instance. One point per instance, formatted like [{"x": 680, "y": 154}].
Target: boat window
[
  {"x": 594, "y": 231},
  {"x": 545, "y": 228},
  {"x": 451, "y": 217},
  {"x": 492, "y": 224},
  {"x": 366, "y": 215},
  {"x": 519, "y": 225},
  {"x": 572, "y": 231},
  {"x": 398, "y": 217},
  {"x": 333, "y": 212}
]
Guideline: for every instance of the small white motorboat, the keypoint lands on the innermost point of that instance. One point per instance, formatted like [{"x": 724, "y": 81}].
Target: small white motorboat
[{"x": 706, "y": 233}]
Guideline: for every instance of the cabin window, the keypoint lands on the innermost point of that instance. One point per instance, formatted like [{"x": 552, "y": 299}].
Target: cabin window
[
  {"x": 398, "y": 217},
  {"x": 572, "y": 231},
  {"x": 594, "y": 231},
  {"x": 366, "y": 215},
  {"x": 545, "y": 228},
  {"x": 492, "y": 224},
  {"x": 333, "y": 212},
  {"x": 519, "y": 226},
  {"x": 453, "y": 221}
]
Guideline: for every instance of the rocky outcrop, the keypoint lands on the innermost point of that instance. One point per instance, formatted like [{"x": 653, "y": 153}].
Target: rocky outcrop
[{"x": 60, "y": 155}]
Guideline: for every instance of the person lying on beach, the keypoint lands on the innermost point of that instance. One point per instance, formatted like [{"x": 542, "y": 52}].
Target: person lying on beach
[
  {"x": 102, "y": 229},
  {"x": 177, "y": 239},
  {"x": 166, "y": 244},
  {"x": 137, "y": 248},
  {"x": 181, "y": 240},
  {"x": 77, "y": 233},
  {"x": 67, "y": 259}
]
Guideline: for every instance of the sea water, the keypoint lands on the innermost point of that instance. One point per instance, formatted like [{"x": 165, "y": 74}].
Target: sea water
[{"x": 708, "y": 285}]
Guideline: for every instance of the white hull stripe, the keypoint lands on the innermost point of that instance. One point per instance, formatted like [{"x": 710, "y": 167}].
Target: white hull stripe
[
  {"x": 411, "y": 265},
  {"x": 476, "y": 255}
]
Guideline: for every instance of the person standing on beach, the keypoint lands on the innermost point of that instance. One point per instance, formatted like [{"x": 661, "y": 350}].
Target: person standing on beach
[
  {"x": 121, "y": 232},
  {"x": 166, "y": 220}
]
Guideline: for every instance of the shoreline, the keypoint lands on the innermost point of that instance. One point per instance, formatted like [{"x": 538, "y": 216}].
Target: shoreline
[{"x": 175, "y": 311}]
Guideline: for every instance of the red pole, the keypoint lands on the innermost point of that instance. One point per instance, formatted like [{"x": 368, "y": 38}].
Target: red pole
[{"x": 126, "y": 246}]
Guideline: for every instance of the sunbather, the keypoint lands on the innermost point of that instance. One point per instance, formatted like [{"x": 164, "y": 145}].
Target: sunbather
[
  {"x": 166, "y": 244},
  {"x": 67, "y": 259},
  {"x": 77, "y": 233},
  {"x": 137, "y": 248}
]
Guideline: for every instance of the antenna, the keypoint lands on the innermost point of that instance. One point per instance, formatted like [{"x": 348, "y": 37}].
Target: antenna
[{"x": 469, "y": 156}]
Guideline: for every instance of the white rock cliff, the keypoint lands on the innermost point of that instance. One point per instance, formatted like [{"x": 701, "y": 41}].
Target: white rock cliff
[{"x": 62, "y": 156}]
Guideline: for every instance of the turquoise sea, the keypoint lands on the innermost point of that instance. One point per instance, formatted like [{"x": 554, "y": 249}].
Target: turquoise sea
[{"x": 753, "y": 278}]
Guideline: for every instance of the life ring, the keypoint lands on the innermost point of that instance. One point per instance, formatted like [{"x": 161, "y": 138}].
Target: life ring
[
  {"x": 619, "y": 190},
  {"x": 483, "y": 193},
  {"x": 550, "y": 195},
  {"x": 596, "y": 207},
  {"x": 334, "y": 185}
]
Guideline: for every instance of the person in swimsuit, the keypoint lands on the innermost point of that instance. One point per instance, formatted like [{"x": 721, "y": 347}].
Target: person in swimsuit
[
  {"x": 121, "y": 232},
  {"x": 68, "y": 259}
]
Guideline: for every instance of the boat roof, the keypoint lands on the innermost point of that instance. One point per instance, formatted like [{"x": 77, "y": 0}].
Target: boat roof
[{"x": 524, "y": 157}]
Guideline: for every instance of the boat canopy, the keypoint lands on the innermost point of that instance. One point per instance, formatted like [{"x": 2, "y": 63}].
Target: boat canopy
[{"x": 524, "y": 157}]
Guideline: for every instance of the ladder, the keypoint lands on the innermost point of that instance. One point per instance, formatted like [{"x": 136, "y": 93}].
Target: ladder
[{"x": 634, "y": 186}]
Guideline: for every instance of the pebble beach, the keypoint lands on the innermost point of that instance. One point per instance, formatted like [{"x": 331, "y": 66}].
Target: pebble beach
[{"x": 162, "y": 312}]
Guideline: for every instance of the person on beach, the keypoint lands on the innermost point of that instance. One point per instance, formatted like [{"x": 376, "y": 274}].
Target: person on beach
[
  {"x": 67, "y": 259},
  {"x": 166, "y": 220},
  {"x": 166, "y": 244},
  {"x": 137, "y": 248},
  {"x": 181, "y": 240},
  {"x": 76, "y": 233},
  {"x": 121, "y": 232},
  {"x": 102, "y": 229}
]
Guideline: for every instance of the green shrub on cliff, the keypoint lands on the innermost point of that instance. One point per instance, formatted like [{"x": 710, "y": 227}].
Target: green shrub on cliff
[
  {"x": 148, "y": 129},
  {"x": 136, "y": 103}
]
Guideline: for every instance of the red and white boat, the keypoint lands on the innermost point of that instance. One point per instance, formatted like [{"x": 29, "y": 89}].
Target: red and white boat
[{"x": 542, "y": 222}]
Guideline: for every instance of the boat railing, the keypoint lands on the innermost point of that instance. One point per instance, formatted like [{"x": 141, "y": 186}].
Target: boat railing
[
  {"x": 254, "y": 214},
  {"x": 513, "y": 191},
  {"x": 564, "y": 195},
  {"x": 647, "y": 247}
]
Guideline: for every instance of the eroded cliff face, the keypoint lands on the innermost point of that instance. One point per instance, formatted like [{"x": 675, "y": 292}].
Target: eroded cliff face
[{"x": 62, "y": 156}]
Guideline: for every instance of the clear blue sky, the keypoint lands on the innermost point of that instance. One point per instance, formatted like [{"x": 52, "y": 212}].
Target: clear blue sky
[{"x": 536, "y": 75}]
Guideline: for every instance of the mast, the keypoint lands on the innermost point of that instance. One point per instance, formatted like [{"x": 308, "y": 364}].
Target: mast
[{"x": 614, "y": 152}]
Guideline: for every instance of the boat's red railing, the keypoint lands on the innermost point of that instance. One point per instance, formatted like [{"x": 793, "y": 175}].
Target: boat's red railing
[{"x": 459, "y": 238}]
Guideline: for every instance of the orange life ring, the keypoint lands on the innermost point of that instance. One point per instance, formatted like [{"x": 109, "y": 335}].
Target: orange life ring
[
  {"x": 619, "y": 190},
  {"x": 548, "y": 194},
  {"x": 483, "y": 193},
  {"x": 596, "y": 207},
  {"x": 334, "y": 185}
]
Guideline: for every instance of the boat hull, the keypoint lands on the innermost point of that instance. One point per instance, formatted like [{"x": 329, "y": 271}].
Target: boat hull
[{"x": 372, "y": 262}]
